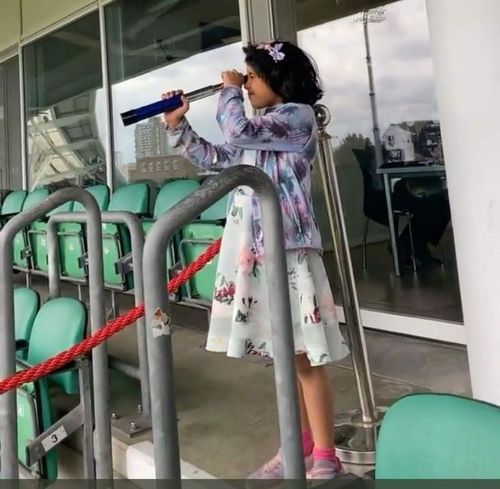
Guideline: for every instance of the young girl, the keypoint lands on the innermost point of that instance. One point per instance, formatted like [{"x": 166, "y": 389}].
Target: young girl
[{"x": 282, "y": 81}]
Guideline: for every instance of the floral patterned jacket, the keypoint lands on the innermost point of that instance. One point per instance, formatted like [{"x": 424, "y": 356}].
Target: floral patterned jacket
[{"x": 285, "y": 140}]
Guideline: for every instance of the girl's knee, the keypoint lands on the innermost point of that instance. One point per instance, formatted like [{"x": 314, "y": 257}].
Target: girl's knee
[{"x": 302, "y": 364}]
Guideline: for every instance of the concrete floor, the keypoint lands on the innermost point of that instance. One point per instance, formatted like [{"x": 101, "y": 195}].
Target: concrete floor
[
  {"x": 432, "y": 292},
  {"x": 227, "y": 408}
]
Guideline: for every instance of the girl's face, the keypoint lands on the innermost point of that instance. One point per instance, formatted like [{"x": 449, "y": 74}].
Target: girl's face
[{"x": 259, "y": 92}]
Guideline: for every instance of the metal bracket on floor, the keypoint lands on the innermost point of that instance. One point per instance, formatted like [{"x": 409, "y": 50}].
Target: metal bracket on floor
[{"x": 131, "y": 426}]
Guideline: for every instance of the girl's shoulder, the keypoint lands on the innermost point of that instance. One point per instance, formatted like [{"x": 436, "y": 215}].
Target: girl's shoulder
[{"x": 294, "y": 111}]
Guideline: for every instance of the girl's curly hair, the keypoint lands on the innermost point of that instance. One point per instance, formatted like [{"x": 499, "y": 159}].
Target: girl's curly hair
[{"x": 294, "y": 77}]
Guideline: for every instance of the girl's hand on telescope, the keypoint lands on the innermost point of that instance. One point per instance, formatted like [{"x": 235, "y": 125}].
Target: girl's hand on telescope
[
  {"x": 232, "y": 78},
  {"x": 174, "y": 118}
]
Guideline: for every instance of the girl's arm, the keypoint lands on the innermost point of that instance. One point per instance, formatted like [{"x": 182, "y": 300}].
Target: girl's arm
[
  {"x": 201, "y": 152},
  {"x": 288, "y": 127}
]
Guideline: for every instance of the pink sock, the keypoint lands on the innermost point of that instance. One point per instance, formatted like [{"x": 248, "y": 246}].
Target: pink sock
[
  {"x": 325, "y": 454},
  {"x": 307, "y": 443}
]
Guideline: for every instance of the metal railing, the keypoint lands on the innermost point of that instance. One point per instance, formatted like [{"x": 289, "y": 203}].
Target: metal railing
[
  {"x": 8, "y": 404},
  {"x": 163, "y": 407},
  {"x": 133, "y": 224}
]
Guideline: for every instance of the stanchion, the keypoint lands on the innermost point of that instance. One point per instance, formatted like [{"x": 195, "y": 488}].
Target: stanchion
[{"x": 356, "y": 430}]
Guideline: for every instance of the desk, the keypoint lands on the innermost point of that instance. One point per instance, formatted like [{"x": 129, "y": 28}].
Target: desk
[{"x": 434, "y": 170}]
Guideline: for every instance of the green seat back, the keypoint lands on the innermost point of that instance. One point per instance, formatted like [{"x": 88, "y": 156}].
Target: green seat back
[
  {"x": 26, "y": 305},
  {"x": 13, "y": 203},
  {"x": 66, "y": 207},
  {"x": 439, "y": 436},
  {"x": 196, "y": 236},
  {"x": 35, "y": 197},
  {"x": 34, "y": 416},
  {"x": 133, "y": 198},
  {"x": 115, "y": 245},
  {"x": 116, "y": 238},
  {"x": 101, "y": 195},
  {"x": 22, "y": 240},
  {"x": 59, "y": 324},
  {"x": 146, "y": 227},
  {"x": 38, "y": 238},
  {"x": 171, "y": 193},
  {"x": 217, "y": 211},
  {"x": 72, "y": 240}
]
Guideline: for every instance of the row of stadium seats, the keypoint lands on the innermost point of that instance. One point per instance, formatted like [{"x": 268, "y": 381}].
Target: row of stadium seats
[
  {"x": 30, "y": 246},
  {"x": 43, "y": 330}
]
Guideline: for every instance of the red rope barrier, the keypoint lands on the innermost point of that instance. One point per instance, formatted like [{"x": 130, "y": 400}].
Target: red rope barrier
[{"x": 111, "y": 328}]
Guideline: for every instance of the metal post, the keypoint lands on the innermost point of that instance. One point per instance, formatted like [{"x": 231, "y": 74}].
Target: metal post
[
  {"x": 8, "y": 421},
  {"x": 102, "y": 445},
  {"x": 133, "y": 223},
  {"x": 165, "y": 435},
  {"x": 109, "y": 143},
  {"x": 357, "y": 429},
  {"x": 379, "y": 157},
  {"x": 88, "y": 418}
]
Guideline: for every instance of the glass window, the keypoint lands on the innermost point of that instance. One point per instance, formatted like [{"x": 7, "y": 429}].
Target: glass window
[
  {"x": 64, "y": 106},
  {"x": 10, "y": 126},
  {"x": 390, "y": 93},
  {"x": 159, "y": 46}
]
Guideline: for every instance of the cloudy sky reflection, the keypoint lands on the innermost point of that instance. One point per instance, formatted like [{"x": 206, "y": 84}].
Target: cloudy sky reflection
[{"x": 401, "y": 62}]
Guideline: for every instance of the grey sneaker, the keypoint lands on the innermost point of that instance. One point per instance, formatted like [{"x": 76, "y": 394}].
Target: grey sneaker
[
  {"x": 324, "y": 469},
  {"x": 275, "y": 469}
]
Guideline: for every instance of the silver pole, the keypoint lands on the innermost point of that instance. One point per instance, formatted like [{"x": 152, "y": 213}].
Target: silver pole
[
  {"x": 22, "y": 107},
  {"x": 165, "y": 435},
  {"x": 8, "y": 409},
  {"x": 108, "y": 99},
  {"x": 133, "y": 223},
  {"x": 361, "y": 447},
  {"x": 379, "y": 157}
]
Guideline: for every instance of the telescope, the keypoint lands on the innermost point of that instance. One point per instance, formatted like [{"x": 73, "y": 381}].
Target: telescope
[{"x": 168, "y": 105}]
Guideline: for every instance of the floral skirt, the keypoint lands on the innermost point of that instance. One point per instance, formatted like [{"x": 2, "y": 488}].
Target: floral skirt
[{"x": 241, "y": 324}]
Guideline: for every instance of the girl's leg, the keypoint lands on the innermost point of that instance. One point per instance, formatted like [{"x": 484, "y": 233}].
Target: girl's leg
[
  {"x": 304, "y": 420},
  {"x": 274, "y": 469},
  {"x": 316, "y": 398},
  {"x": 307, "y": 436},
  {"x": 318, "y": 403}
]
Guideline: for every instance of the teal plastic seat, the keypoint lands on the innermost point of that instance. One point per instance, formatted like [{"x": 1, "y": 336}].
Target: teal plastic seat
[
  {"x": 59, "y": 324},
  {"x": 439, "y": 436},
  {"x": 196, "y": 237},
  {"x": 26, "y": 305},
  {"x": 22, "y": 239},
  {"x": 13, "y": 203},
  {"x": 38, "y": 238},
  {"x": 72, "y": 236},
  {"x": 170, "y": 194},
  {"x": 116, "y": 238}
]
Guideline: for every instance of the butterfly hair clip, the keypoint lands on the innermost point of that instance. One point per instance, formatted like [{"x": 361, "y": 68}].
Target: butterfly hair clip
[{"x": 274, "y": 50}]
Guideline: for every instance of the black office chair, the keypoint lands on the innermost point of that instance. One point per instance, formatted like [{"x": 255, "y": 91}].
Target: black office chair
[{"x": 375, "y": 204}]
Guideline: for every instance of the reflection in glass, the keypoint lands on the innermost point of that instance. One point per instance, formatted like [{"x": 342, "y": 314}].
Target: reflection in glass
[
  {"x": 64, "y": 106},
  {"x": 10, "y": 126},
  {"x": 408, "y": 119},
  {"x": 156, "y": 47}
]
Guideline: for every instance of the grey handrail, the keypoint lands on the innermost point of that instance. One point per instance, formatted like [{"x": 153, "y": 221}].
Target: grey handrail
[
  {"x": 8, "y": 406},
  {"x": 133, "y": 223},
  {"x": 163, "y": 408}
]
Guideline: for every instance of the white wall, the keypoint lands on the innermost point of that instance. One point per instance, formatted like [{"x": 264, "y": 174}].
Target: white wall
[{"x": 465, "y": 40}]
